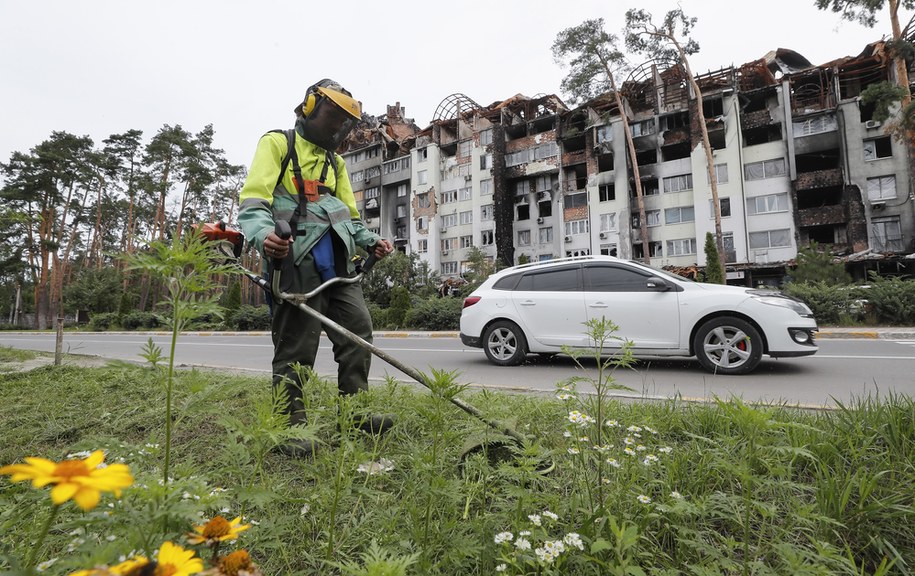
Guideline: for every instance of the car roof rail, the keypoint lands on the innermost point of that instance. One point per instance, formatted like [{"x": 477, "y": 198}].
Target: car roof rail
[{"x": 553, "y": 261}]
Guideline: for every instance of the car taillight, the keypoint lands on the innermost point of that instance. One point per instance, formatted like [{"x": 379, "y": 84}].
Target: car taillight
[{"x": 470, "y": 301}]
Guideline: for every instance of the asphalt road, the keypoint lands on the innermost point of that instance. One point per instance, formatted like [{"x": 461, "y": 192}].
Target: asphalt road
[{"x": 841, "y": 371}]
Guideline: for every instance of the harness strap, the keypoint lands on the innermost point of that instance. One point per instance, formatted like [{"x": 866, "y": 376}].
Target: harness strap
[{"x": 308, "y": 190}]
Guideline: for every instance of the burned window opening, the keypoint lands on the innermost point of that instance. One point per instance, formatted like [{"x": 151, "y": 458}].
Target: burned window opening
[
  {"x": 649, "y": 187},
  {"x": 877, "y": 148},
  {"x": 817, "y": 161},
  {"x": 717, "y": 139},
  {"x": 524, "y": 211},
  {"x": 576, "y": 177},
  {"x": 604, "y": 162},
  {"x": 676, "y": 151},
  {"x": 713, "y": 107},
  {"x": 576, "y": 144},
  {"x": 515, "y": 131},
  {"x": 825, "y": 235},
  {"x": 762, "y": 134},
  {"x": 866, "y": 110},
  {"x": 646, "y": 157},
  {"x": 755, "y": 101},
  {"x": 819, "y": 197},
  {"x": 545, "y": 208}
]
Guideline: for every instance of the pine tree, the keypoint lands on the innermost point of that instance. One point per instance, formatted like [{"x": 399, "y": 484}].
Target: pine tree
[
  {"x": 713, "y": 272},
  {"x": 814, "y": 265}
]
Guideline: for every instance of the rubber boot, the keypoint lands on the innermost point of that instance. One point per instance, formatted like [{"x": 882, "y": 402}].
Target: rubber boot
[
  {"x": 370, "y": 423},
  {"x": 373, "y": 423},
  {"x": 302, "y": 449}
]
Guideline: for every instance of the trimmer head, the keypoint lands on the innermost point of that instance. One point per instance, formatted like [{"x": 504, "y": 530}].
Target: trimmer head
[{"x": 501, "y": 450}]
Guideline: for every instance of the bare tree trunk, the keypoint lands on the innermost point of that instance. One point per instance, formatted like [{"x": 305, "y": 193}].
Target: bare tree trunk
[
  {"x": 633, "y": 158},
  {"x": 180, "y": 223},
  {"x": 709, "y": 158},
  {"x": 160, "y": 208},
  {"x": 96, "y": 244},
  {"x": 902, "y": 77},
  {"x": 41, "y": 286}
]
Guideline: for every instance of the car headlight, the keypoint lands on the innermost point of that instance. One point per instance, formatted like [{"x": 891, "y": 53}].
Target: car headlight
[{"x": 782, "y": 301}]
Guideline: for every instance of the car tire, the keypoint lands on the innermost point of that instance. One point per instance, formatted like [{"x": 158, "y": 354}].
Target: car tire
[
  {"x": 728, "y": 345},
  {"x": 504, "y": 343}
]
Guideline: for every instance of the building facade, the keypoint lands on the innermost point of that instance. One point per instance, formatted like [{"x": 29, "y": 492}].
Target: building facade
[{"x": 796, "y": 156}]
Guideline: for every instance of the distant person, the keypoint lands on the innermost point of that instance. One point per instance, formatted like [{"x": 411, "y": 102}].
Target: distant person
[{"x": 296, "y": 176}]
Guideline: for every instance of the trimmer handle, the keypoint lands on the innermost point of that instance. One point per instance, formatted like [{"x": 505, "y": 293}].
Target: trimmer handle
[
  {"x": 282, "y": 229},
  {"x": 369, "y": 262}
]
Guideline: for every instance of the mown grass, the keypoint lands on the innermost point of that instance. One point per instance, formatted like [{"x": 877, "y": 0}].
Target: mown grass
[
  {"x": 12, "y": 355},
  {"x": 730, "y": 489}
]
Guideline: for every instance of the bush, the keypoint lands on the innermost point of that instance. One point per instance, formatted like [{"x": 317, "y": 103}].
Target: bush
[
  {"x": 436, "y": 314},
  {"x": 400, "y": 307},
  {"x": 103, "y": 321},
  {"x": 379, "y": 316},
  {"x": 249, "y": 318},
  {"x": 137, "y": 320},
  {"x": 830, "y": 304},
  {"x": 893, "y": 300}
]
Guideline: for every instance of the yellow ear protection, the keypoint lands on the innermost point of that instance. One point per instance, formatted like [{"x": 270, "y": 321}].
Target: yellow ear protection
[
  {"x": 309, "y": 103},
  {"x": 335, "y": 93}
]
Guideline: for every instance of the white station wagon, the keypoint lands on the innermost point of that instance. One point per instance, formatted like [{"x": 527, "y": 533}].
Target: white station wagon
[{"x": 541, "y": 307}]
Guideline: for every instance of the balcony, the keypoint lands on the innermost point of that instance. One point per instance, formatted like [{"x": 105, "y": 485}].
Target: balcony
[
  {"x": 821, "y": 215},
  {"x": 755, "y": 119},
  {"x": 819, "y": 179}
]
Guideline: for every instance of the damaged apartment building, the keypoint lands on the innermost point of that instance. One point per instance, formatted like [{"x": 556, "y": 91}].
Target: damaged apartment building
[{"x": 797, "y": 159}]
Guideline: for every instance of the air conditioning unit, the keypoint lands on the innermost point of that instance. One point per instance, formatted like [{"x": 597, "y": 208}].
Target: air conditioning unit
[
  {"x": 444, "y": 252},
  {"x": 568, "y": 238},
  {"x": 539, "y": 220},
  {"x": 467, "y": 177},
  {"x": 444, "y": 229},
  {"x": 878, "y": 205},
  {"x": 873, "y": 124},
  {"x": 603, "y": 235}
]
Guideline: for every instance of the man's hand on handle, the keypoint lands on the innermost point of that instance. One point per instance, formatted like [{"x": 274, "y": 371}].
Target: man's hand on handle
[
  {"x": 382, "y": 248},
  {"x": 276, "y": 247}
]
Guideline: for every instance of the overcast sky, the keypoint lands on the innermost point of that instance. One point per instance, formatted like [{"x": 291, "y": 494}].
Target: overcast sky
[{"x": 99, "y": 67}]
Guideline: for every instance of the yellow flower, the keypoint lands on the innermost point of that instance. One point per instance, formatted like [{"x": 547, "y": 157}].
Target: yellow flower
[
  {"x": 81, "y": 480},
  {"x": 130, "y": 567},
  {"x": 173, "y": 560},
  {"x": 216, "y": 530},
  {"x": 237, "y": 563}
]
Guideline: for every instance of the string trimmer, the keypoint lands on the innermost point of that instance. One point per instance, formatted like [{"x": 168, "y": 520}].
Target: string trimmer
[{"x": 229, "y": 242}]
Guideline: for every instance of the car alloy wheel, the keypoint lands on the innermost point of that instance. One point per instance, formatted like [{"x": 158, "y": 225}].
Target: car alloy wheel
[
  {"x": 728, "y": 345},
  {"x": 504, "y": 344}
]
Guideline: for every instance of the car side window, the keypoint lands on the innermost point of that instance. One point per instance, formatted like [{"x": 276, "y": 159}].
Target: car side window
[
  {"x": 614, "y": 279},
  {"x": 556, "y": 280},
  {"x": 507, "y": 283}
]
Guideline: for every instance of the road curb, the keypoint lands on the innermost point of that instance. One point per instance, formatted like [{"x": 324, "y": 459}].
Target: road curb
[{"x": 862, "y": 335}]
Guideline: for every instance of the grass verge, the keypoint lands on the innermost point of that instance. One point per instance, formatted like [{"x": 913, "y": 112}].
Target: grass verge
[{"x": 646, "y": 488}]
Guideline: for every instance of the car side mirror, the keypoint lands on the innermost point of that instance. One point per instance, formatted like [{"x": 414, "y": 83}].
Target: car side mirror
[{"x": 657, "y": 283}]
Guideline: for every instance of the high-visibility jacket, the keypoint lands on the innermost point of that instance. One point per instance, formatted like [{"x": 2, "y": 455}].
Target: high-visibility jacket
[{"x": 262, "y": 202}]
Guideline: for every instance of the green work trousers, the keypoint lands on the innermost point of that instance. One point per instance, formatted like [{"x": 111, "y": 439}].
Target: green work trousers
[{"x": 296, "y": 335}]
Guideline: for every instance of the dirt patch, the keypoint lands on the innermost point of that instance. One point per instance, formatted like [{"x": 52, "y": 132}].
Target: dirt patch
[{"x": 48, "y": 359}]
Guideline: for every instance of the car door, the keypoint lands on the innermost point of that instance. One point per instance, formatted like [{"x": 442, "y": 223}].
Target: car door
[
  {"x": 646, "y": 314},
  {"x": 550, "y": 305}
]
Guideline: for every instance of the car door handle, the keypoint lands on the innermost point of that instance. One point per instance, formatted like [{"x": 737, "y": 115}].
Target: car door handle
[
  {"x": 528, "y": 303},
  {"x": 597, "y": 305}
]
